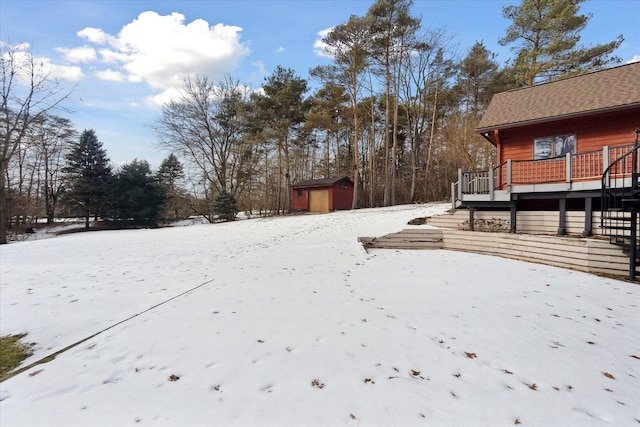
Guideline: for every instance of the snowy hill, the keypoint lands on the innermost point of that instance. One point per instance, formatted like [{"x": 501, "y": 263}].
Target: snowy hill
[{"x": 288, "y": 321}]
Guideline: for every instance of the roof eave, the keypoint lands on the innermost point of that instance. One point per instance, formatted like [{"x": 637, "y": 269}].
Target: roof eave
[{"x": 484, "y": 130}]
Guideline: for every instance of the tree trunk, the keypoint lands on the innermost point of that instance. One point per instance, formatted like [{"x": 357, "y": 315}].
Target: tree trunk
[
  {"x": 356, "y": 157},
  {"x": 3, "y": 206},
  {"x": 431, "y": 143}
]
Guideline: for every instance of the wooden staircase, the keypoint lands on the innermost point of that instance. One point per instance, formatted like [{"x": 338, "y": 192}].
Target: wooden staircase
[
  {"x": 419, "y": 238},
  {"x": 620, "y": 205}
]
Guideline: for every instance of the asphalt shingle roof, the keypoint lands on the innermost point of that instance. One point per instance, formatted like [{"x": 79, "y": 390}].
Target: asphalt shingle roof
[
  {"x": 600, "y": 91},
  {"x": 319, "y": 182}
]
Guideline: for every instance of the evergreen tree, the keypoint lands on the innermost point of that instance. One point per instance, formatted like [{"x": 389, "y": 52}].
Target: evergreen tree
[
  {"x": 88, "y": 174},
  {"x": 225, "y": 206},
  {"x": 545, "y": 34},
  {"x": 282, "y": 108},
  {"x": 135, "y": 194},
  {"x": 170, "y": 172}
]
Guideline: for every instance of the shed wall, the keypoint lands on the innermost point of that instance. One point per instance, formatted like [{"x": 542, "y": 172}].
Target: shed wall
[
  {"x": 300, "y": 199},
  {"x": 341, "y": 198}
]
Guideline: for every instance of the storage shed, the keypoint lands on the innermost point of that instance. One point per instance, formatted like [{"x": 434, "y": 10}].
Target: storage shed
[{"x": 322, "y": 195}]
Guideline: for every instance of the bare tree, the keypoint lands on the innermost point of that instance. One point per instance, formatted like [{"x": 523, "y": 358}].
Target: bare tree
[
  {"x": 392, "y": 30},
  {"x": 205, "y": 126},
  {"x": 28, "y": 93}
]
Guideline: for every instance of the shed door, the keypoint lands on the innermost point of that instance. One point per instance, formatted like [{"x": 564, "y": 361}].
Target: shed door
[{"x": 319, "y": 200}]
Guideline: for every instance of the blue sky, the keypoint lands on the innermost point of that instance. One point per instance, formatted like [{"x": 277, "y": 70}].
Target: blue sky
[{"x": 126, "y": 57}]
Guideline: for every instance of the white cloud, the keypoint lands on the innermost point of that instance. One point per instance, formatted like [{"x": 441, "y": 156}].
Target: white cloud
[
  {"x": 110, "y": 75},
  {"x": 64, "y": 72},
  {"x": 94, "y": 35},
  {"x": 636, "y": 58},
  {"x": 280, "y": 49},
  {"x": 41, "y": 66},
  {"x": 163, "y": 98},
  {"x": 260, "y": 71},
  {"x": 162, "y": 50},
  {"x": 320, "y": 48},
  {"x": 109, "y": 56},
  {"x": 78, "y": 54}
]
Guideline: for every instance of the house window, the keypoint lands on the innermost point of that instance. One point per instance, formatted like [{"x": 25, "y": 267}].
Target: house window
[
  {"x": 553, "y": 146},
  {"x": 299, "y": 192}
]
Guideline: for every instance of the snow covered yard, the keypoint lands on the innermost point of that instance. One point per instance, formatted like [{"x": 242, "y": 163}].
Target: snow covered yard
[{"x": 288, "y": 321}]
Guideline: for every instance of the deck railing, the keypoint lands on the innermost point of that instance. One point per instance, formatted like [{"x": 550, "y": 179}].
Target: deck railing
[{"x": 587, "y": 166}]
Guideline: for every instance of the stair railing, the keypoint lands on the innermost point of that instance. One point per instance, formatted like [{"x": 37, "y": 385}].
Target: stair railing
[{"x": 620, "y": 203}]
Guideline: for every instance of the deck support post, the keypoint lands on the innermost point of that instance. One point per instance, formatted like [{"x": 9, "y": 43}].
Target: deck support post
[
  {"x": 588, "y": 217},
  {"x": 562, "y": 210},
  {"x": 633, "y": 245},
  {"x": 509, "y": 169},
  {"x": 453, "y": 195},
  {"x": 512, "y": 220},
  {"x": 472, "y": 212}
]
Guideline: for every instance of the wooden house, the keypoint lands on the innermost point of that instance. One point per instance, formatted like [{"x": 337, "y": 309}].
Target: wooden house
[
  {"x": 564, "y": 146},
  {"x": 322, "y": 195}
]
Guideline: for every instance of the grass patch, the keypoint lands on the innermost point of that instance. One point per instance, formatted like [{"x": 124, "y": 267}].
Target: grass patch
[{"x": 12, "y": 353}]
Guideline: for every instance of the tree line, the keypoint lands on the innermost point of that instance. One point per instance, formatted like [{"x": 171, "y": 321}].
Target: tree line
[{"x": 395, "y": 110}]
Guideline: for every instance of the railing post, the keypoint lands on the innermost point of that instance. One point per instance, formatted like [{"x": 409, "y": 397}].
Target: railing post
[
  {"x": 460, "y": 184},
  {"x": 569, "y": 170},
  {"x": 509, "y": 175},
  {"x": 491, "y": 184},
  {"x": 606, "y": 161}
]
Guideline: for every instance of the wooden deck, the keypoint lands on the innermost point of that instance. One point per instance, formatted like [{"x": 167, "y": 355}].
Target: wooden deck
[
  {"x": 569, "y": 173},
  {"x": 583, "y": 254}
]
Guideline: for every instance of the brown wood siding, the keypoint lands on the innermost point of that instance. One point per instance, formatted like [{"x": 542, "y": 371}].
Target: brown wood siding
[
  {"x": 300, "y": 202},
  {"x": 592, "y": 133},
  {"x": 341, "y": 198}
]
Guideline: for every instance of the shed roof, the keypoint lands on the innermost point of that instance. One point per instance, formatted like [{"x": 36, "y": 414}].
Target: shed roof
[
  {"x": 320, "y": 182},
  {"x": 612, "y": 89}
]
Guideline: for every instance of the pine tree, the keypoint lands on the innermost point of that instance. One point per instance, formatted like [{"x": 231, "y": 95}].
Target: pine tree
[
  {"x": 225, "y": 206},
  {"x": 88, "y": 175},
  {"x": 545, "y": 34},
  {"x": 135, "y": 194},
  {"x": 170, "y": 172}
]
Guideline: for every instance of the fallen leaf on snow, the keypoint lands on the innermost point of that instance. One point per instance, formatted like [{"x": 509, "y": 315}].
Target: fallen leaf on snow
[
  {"x": 608, "y": 375},
  {"x": 316, "y": 383},
  {"x": 174, "y": 377},
  {"x": 470, "y": 355},
  {"x": 34, "y": 373}
]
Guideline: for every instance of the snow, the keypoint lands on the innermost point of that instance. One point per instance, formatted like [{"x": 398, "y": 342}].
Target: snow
[{"x": 289, "y": 321}]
